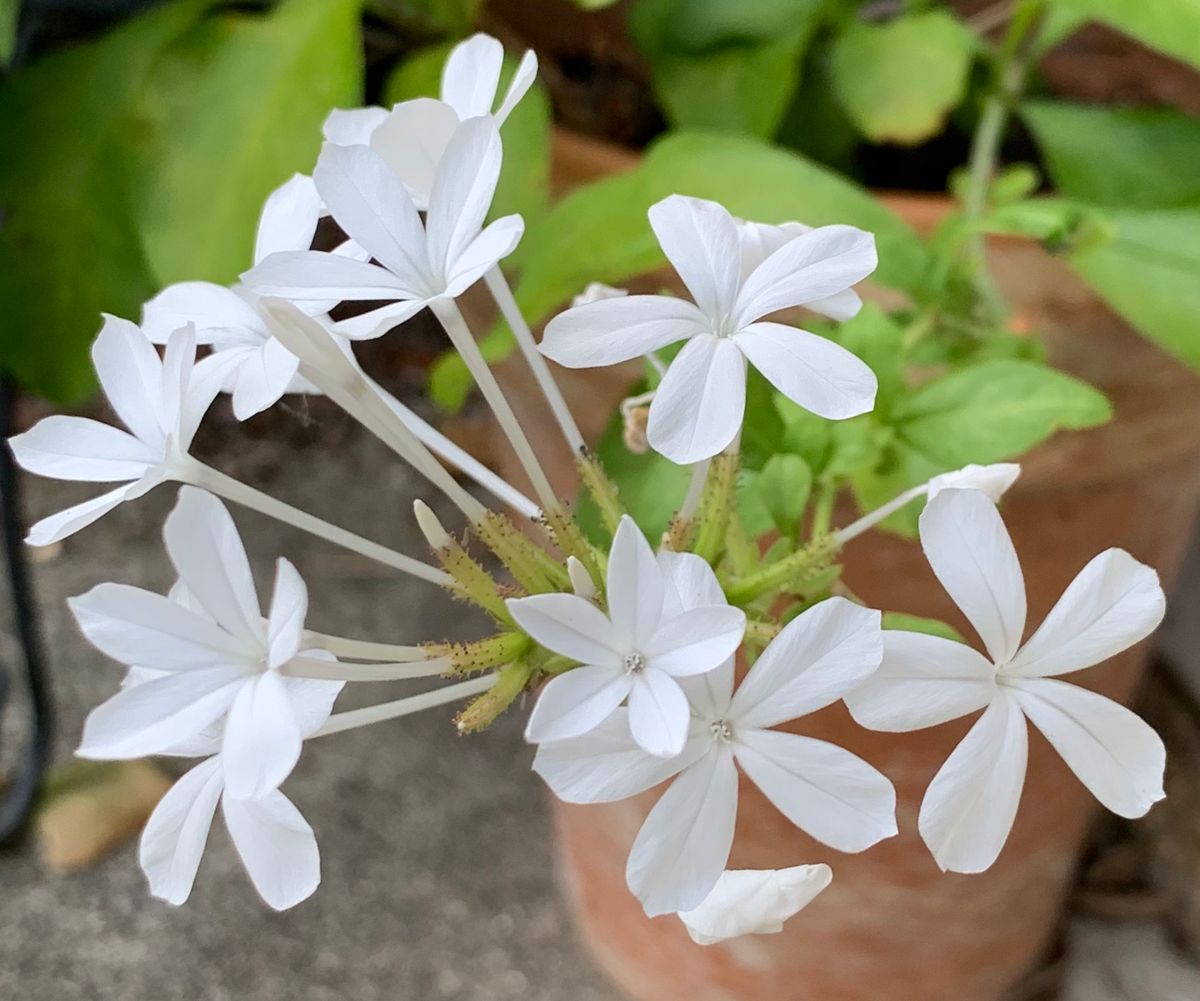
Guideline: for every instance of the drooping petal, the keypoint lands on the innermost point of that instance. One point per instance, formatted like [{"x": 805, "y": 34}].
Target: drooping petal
[
  {"x": 994, "y": 480},
  {"x": 634, "y": 588},
  {"x": 576, "y": 702},
  {"x": 179, "y": 403},
  {"x": 812, "y": 266},
  {"x": 971, "y": 553},
  {"x": 173, "y": 841},
  {"x": 289, "y": 217},
  {"x": 681, "y": 850},
  {"x": 207, "y": 552},
  {"x": 760, "y": 240},
  {"x": 56, "y": 527},
  {"x": 608, "y": 331},
  {"x": 352, "y": 126},
  {"x": 700, "y": 240},
  {"x": 820, "y": 655},
  {"x": 262, "y": 738},
  {"x": 313, "y": 698},
  {"x": 1115, "y": 753},
  {"x": 134, "y": 626},
  {"x": 839, "y": 306},
  {"x": 826, "y": 791},
  {"x": 263, "y": 375},
  {"x": 606, "y": 764},
  {"x": 970, "y": 805},
  {"x": 688, "y": 582},
  {"x": 154, "y": 716},
  {"x": 522, "y": 80},
  {"x": 78, "y": 448},
  {"x": 277, "y": 847},
  {"x": 696, "y": 641},
  {"x": 811, "y": 371},
  {"x": 754, "y": 902},
  {"x": 471, "y": 75},
  {"x": 412, "y": 139},
  {"x": 285, "y": 621},
  {"x": 567, "y": 624},
  {"x": 1113, "y": 603},
  {"x": 923, "y": 681},
  {"x": 377, "y": 322},
  {"x": 700, "y": 402},
  {"x": 658, "y": 714},
  {"x": 489, "y": 248},
  {"x": 219, "y": 314},
  {"x": 305, "y": 275},
  {"x": 129, "y": 371}
]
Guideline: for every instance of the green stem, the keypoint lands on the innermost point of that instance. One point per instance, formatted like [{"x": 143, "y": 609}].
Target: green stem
[
  {"x": 716, "y": 506},
  {"x": 804, "y": 563},
  {"x": 603, "y": 490}
]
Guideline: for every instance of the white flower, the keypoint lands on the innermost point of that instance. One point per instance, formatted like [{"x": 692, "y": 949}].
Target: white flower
[
  {"x": 834, "y": 796},
  {"x": 159, "y": 401},
  {"x": 417, "y": 263},
  {"x": 993, "y": 480},
  {"x": 224, "y": 663},
  {"x": 754, "y": 902},
  {"x": 759, "y": 240},
  {"x": 254, "y": 366},
  {"x": 638, "y": 650},
  {"x": 699, "y": 405},
  {"x": 925, "y": 680},
  {"x": 597, "y": 292}
]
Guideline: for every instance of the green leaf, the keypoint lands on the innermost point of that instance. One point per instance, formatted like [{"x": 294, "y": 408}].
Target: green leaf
[
  {"x": 700, "y": 25},
  {"x": 69, "y": 247},
  {"x": 920, "y": 624},
  {"x": 805, "y": 434},
  {"x": 995, "y": 410},
  {"x": 784, "y": 485},
  {"x": 10, "y": 14},
  {"x": 1127, "y": 158},
  {"x": 878, "y": 340},
  {"x": 235, "y": 108},
  {"x": 1171, "y": 26},
  {"x": 897, "y": 81},
  {"x": 762, "y": 428},
  {"x": 1062, "y": 226},
  {"x": 1150, "y": 273},
  {"x": 898, "y": 467}
]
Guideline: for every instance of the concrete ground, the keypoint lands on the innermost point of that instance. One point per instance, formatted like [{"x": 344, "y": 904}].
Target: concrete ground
[{"x": 436, "y": 850}]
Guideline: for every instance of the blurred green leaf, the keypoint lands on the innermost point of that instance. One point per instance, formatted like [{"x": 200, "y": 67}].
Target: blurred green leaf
[
  {"x": 700, "y": 25},
  {"x": 878, "y": 340},
  {"x": 1171, "y": 26},
  {"x": 10, "y": 14},
  {"x": 426, "y": 18},
  {"x": 233, "y": 110},
  {"x": 805, "y": 434},
  {"x": 995, "y": 410},
  {"x": 1062, "y": 226},
  {"x": 920, "y": 624},
  {"x": 784, "y": 484},
  {"x": 898, "y": 467},
  {"x": 898, "y": 80},
  {"x": 69, "y": 247},
  {"x": 1124, "y": 157}
]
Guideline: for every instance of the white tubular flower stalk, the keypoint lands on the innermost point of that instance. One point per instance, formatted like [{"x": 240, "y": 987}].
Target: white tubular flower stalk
[
  {"x": 303, "y": 667},
  {"x": 355, "y": 718},
  {"x": 353, "y": 649}
]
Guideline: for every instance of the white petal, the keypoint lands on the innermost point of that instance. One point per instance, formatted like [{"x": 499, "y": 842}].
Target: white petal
[
  {"x": 278, "y": 848},
  {"x": 154, "y": 716},
  {"x": 688, "y": 582},
  {"x": 820, "y": 655},
  {"x": 207, "y": 552},
  {"x": 285, "y": 622},
  {"x": 134, "y": 626},
  {"x": 826, "y": 791},
  {"x": 352, "y": 126},
  {"x": 262, "y": 738},
  {"x": 313, "y": 698},
  {"x": 471, "y": 75},
  {"x": 1113, "y": 603},
  {"x": 993, "y": 480},
  {"x": 754, "y": 902},
  {"x": 971, "y": 553},
  {"x": 377, "y": 322},
  {"x": 567, "y": 624},
  {"x": 701, "y": 242},
  {"x": 412, "y": 138},
  {"x": 1112, "y": 750},
  {"x": 263, "y": 376},
  {"x": 289, "y": 217},
  {"x": 700, "y": 402},
  {"x": 371, "y": 204},
  {"x": 635, "y": 588},
  {"x": 814, "y": 265},
  {"x": 310, "y": 274},
  {"x": 575, "y": 702},
  {"x": 173, "y": 841},
  {"x": 681, "y": 850},
  {"x": 496, "y": 242},
  {"x": 219, "y": 313},
  {"x": 596, "y": 291},
  {"x": 711, "y": 693},
  {"x": 811, "y": 371},
  {"x": 608, "y": 331},
  {"x": 659, "y": 715},
  {"x": 129, "y": 370},
  {"x": 78, "y": 448},
  {"x": 606, "y": 764},
  {"x": 923, "y": 681},
  {"x": 696, "y": 641},
  {"x": 970, "y": 806},
  {"x": 839, "y": 306},
  {"x": 522, "y": 80},
  {"x": 55, "y": 527}
]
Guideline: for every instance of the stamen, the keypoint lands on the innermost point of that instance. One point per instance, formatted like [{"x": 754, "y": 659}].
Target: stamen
[
  {"x": 634, "y": 663},
  {"x": 721, "y": 730}
]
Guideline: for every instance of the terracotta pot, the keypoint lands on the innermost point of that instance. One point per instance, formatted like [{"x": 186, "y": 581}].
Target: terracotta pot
[{"x": 892, "y": 927}]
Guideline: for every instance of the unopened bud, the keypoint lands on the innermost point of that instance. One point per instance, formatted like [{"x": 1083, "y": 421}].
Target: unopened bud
[
  {"x": 581, "y": 581},
  {"x": 435, "y": 534}
]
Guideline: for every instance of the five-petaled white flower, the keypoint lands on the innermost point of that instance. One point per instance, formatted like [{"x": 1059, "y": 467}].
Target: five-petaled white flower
[
  {"x": 684, "y": 844},
  {"x": 754, "y": 902},
  {"x": 759, "y": 240},
  {"x": 418, "y": 264},
  {"x": 640, "y": 650},
  {"x": 254, "y": 367},
  {"x": 160, "y": 401},
  {"x": 219, "y": 659},
  {"x": 699, "y": 405},
  {"x": 924, "y": 680}
]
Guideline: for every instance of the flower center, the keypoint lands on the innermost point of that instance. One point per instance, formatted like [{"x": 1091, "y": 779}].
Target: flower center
[
  {"x": 635, "y": 663},
  {"x": 721, "y": 730},
  {"x": 724, "y": 327}
]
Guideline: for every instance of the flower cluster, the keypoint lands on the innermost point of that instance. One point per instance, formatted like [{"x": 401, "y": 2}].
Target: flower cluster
[{"x": 685, "y": 664}]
